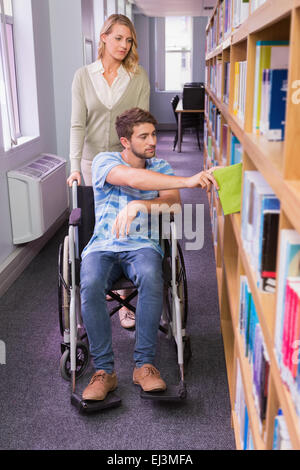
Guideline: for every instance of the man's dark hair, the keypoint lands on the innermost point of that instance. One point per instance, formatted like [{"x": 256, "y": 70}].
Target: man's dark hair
[{"x": 133, "y": 117}]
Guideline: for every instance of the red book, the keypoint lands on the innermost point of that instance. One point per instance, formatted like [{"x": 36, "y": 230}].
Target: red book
[
  {"x": 287, "y": 306},
  {"x": 296, "y": 337}
]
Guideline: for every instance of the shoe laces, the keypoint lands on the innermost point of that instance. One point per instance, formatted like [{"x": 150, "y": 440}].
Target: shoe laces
[
  {"x": 98, "y": 376},
  {"x": 150, "y": 370}
]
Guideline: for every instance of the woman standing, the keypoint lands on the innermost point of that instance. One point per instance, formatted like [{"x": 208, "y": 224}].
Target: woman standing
[
  {"x": 103, "y": 90},
  {"x": 100, "y": 92}
]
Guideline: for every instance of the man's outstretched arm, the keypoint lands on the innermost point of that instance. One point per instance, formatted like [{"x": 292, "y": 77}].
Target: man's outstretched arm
[{"x": 149, "y": 180}]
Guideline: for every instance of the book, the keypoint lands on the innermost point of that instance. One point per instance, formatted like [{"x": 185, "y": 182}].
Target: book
[
  {"x": 226, "y": 82},
  {"x": 236, "y": 150},
  {"x": 268, "y": 249},
  {"x": 239, "y": 93},
  {"x": 251, "y": 178},
  {"x": 269, "y": 55},
  {"x": 229, "y": 179},
  {"x": 224, "y": 143},
  {"x": 259, "y": 227},
  {"x": 276, "y": 104},
  {"x": 288, "y": 266}
]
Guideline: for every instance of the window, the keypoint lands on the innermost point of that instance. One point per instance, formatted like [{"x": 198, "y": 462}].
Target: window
[
  {"x": 18, "y": 87},
  {"x": 121, "y": 7},
  {"x": 8, "y": 87},
  {"x": 178, "y": 47}
]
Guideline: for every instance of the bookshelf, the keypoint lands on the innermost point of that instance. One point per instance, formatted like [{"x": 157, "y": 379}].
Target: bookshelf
[{"x": 233, "y": 32}]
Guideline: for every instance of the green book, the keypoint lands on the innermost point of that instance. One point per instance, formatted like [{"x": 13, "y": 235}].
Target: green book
[{"x": 229, "y": 180}]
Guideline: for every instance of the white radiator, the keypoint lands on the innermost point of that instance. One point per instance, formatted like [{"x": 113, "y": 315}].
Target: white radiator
[{"x": 38, "y": 196}]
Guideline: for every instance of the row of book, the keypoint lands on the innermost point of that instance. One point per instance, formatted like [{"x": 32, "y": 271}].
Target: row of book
[
  {"x": 214, "y": 117},
  {"x": 226, "y": 82},
  {"x": 215, "y": 77},
  {"x": 239, "y": 92},
  {"x": 287, "y": 324},
  {"x": 221, "y": 26},
  {"x": 254, "y": 348},
  {"x": 281, "y": 438},
  {"x": 212, "y": 159},
  {"x": 240, "y": 12},
  {"x": 270, "y": 88},
  {"x": 229, "y": 15},
  {"x": 259, "y": 228},
  {"x": 221, "y": 133}
]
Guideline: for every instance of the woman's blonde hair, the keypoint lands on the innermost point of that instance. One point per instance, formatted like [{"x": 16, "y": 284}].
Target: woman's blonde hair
[{"x": 131, "y": 60}]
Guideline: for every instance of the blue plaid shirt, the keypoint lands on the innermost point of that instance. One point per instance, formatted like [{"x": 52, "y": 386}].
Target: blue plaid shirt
[{"x": 111, "y": 199}]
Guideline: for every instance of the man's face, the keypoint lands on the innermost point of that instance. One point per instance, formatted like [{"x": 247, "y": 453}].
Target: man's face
[{"x": 143, "y": 141}]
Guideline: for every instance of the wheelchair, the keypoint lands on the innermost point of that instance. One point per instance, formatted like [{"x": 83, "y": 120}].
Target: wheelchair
[{"x": 75, "y": 354}]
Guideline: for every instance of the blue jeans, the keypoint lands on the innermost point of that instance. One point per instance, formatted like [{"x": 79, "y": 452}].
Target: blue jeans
[{"x": 99, "y": 271}]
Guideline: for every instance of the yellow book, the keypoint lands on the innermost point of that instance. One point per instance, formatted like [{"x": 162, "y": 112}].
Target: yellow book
[{"x": 236, "y": 88}]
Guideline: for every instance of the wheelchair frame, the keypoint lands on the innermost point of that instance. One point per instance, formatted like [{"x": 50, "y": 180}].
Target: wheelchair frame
[{"x": 75, "y": 353}]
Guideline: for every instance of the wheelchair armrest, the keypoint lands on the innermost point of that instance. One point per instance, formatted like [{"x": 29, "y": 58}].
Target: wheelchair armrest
[{"x": 75, "y": 217}]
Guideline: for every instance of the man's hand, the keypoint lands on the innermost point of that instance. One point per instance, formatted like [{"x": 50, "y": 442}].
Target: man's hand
[
  {"x": 204, "y": 179},
  {"x": 126, "y": 216}
]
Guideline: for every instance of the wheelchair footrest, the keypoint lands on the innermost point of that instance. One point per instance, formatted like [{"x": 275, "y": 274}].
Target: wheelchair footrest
[
  {"x": 91, "y": 406},
  {"x": 172, "y": 393}
]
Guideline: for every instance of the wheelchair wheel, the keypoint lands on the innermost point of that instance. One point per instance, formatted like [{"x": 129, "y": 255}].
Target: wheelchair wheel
[
  {"x": 82, "y": 361},
  {"x": 182, "y": 292},
  {"x": 63, "y": 285}
]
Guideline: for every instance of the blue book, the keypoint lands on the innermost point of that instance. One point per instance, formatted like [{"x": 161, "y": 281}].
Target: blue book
[
  {"x": 246, "y": 427},
  {"x": 277, "y": 105},
  {"x": 236, "y": 150},
  {"x": 252, "y": 326}
]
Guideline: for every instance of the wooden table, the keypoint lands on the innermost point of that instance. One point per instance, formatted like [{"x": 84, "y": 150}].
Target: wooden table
[{"x": 179, "y": 109}]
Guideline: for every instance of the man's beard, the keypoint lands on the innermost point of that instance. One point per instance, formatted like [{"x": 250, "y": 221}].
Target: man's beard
[{"x": 142, "y": 156}]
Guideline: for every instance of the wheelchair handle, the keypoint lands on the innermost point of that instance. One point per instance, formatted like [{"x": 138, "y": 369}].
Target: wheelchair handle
[{"x": 74, "y": 194}]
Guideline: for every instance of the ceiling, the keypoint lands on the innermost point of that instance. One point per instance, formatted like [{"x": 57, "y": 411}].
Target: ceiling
[{"x": 175, "y": 7}]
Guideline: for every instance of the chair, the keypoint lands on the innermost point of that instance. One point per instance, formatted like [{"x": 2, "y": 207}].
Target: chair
[
  {"x": 188, "y": 121},
  {"x": 75, "y": 352}
]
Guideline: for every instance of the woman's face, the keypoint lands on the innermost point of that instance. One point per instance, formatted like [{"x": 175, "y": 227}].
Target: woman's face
[{"x": 118, "y": 42}]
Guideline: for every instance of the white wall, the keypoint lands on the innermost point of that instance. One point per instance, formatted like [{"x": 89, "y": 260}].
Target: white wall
[
  {"x": 47, "y": 140},
  {"x": 67, "y": 57},
  {"x": 58, "y": 49}
]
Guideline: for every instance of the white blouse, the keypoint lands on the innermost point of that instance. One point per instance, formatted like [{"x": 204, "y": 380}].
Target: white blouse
[{"x": 108, "y": 95}]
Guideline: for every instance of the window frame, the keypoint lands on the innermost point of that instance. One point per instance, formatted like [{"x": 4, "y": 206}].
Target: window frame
[
  {"x": 26, "y": 82},
  {"x": 10, "y": 101}
]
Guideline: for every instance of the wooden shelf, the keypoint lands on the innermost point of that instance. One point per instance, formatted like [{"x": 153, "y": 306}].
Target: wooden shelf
[{"x": 279, "y": 164}]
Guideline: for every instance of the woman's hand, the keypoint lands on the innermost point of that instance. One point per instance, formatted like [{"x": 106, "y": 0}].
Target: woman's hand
[
  {"x": 75, "y": 176},
  {"x": 125, "y": 218}
]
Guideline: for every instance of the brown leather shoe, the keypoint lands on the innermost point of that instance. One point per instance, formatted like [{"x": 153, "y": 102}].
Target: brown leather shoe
[
  {"x": 148, "y": 377},
  {"x": 101, "y": 383}
]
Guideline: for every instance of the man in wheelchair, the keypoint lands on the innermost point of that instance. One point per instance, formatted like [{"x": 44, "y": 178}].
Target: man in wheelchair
[{"x": 128, "y": 187}]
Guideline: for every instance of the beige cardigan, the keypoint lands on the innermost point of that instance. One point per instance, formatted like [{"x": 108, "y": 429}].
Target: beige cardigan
[{"x": 92, "y": 123}]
